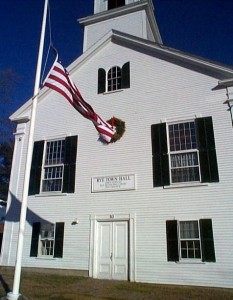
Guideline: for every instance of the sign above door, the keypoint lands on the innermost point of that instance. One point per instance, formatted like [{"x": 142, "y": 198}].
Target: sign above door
[{"x": 114, "y": 183}]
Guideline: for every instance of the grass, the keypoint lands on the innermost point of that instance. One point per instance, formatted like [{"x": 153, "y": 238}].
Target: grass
[{"x": 40, "y": 286}]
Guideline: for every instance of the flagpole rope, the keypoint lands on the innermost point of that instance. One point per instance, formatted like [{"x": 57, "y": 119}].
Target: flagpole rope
[{"x": 50, "y": 43}]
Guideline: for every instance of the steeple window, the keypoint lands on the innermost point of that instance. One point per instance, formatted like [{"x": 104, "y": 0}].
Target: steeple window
[{"x": 115, "y": 3}]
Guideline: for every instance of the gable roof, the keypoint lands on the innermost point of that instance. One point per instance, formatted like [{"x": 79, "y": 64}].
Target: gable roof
[{"x": 174, "y": 56}]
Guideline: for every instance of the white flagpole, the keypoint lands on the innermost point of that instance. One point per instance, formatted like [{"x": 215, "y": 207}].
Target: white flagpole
[{"x": 18, "y": 265}]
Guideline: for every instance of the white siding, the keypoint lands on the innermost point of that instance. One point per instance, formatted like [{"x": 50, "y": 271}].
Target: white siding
[{"x": 159, "y": 91}]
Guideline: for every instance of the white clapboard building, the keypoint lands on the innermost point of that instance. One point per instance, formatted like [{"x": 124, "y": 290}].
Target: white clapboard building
[{"x": 155, "y": 206}]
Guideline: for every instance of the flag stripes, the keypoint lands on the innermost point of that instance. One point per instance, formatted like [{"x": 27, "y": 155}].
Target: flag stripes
[{"x": 59, "y": 80}]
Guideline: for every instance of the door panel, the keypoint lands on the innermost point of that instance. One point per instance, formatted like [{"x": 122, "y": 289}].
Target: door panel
[
  {"x": 105, "y": 249},
  {"x": 112, "y": 256},
  {"x": 120, "y": 257}
]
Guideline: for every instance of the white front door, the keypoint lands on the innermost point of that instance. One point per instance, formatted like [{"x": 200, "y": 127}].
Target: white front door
[{"x": 112, "y": 255}]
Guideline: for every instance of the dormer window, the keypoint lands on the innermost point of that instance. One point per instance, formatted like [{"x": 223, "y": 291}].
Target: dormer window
[
  {"x": 115, "y": 3},
  {"x": 116, "y": 78}
]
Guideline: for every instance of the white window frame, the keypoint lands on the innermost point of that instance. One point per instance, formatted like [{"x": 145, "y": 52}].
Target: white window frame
[
  {"x": 52, "y": 165},
  {"x": 46, "y": 239},
  {"x": 199, "y": 259},
  {"x": 187, "y": 151}
]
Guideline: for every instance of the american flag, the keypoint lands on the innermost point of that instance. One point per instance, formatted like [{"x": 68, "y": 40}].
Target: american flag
[{"x": 59, "y": 80}]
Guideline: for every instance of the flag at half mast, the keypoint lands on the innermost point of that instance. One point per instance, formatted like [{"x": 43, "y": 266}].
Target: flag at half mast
[{"x": 59, "y": 80}]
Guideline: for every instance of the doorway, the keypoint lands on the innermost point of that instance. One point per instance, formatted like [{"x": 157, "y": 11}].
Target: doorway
[
  {"x": 112, "y": 246},
  {"x": 113, "y": 250}
]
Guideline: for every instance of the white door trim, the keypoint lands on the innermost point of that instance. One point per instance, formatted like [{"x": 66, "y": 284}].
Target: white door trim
[{"x": 94, "y": 219}]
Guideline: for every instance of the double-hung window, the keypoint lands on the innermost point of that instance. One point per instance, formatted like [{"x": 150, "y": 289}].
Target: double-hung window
[
  {"x": 53, "y": 166},
  {"x": 190, "y": 245},
  {"x": 47, "y": 239},
  {"x": 190, "y": 240},
  {"x": 184, "y": 152}
]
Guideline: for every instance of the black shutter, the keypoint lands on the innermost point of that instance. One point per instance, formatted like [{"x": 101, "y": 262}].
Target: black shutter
[
  {"x": 207, "y": 240},
  {"x": 35, "y": 239},
  {"x": 160, "y": 156},
  {"x": 35, "y": 175},
  {"x": 70, "y": 164},
  {"x": 125, "y": 76},
  {"x": 207, "y": 152},
  {"x": 59, "y": 237},
  {"x": 172, "y": 241},
  {"x": 101, "y": 81}
]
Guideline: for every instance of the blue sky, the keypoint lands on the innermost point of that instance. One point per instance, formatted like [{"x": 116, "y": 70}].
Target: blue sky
[{"x": 200, "y": 27}]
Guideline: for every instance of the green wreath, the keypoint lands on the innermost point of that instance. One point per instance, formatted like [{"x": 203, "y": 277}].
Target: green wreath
[{"x": 119, "y": 127}]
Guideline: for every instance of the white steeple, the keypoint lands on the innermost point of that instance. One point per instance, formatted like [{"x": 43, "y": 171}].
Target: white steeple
[{"x": 135, "y": 17}]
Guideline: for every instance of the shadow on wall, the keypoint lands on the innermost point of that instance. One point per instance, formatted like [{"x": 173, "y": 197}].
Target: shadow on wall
[{"x": 13, "y": 212}]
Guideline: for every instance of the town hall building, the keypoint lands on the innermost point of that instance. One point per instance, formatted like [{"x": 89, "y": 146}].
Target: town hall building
[{"x": 155, "y": 205}]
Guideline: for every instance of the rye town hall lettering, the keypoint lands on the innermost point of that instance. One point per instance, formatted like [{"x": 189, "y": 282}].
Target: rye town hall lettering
[{"x": 113, "y": 183}]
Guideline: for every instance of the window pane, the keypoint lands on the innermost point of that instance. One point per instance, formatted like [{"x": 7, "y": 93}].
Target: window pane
[
  {"x": 53, "y": 166},
  {"x": 47, "y": 239},
  {"x": 184, "y": 160},
  {"x": 55, "y": 152},
  {"x": 47, "y": 247},
  {"x": 190, "y": 249},
  {"x": 182, "y": 136},
  {"x": 184, "y": 253},
  {"x": 47, "y": 230},
  {"x": 185, "y": 175},
  {"x": 189, "y": 229},
  {"x": 114, "y": 78},
  {"x": 52, "y": 179},
  {"x": 53, "y": 172},
  {"x": 52, "y": 185},
  {"x": 191, "y": 253},
  {"x": 184, "y": 167},
  {"x": 189, "y": 240},
  {"x": 197, "y": 249}
]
